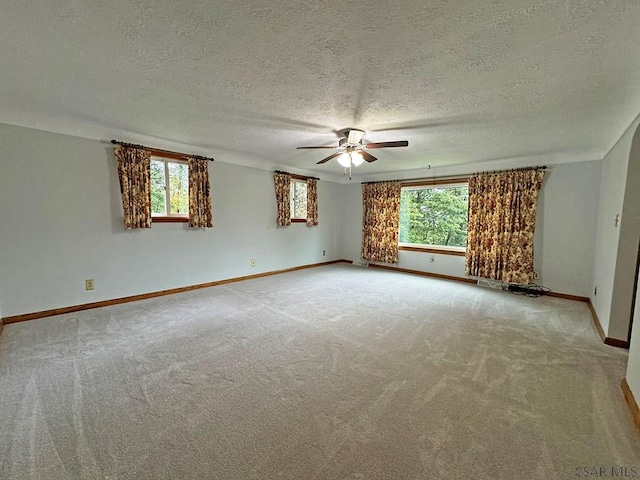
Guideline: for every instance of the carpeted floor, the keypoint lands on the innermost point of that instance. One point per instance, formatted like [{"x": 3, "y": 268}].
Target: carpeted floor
[{"x": 335, "y": 372}]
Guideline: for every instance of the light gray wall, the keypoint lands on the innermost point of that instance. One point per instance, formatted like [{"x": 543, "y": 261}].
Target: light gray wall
[
  {"x": 631, "y": 229},
  {"x": 565, "y": 231},
  {"x": 633, "y": 364},
  {"x": 628, "y": 241},
  {"x": 61, "y": 223},
  {"x": 607, "y": 256},
  {"x": 566, "y": 227},
  {"x": 351, "y": 228}
]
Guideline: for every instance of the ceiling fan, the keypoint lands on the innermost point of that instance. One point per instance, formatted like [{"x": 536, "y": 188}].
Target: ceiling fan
[{"x": 352, "y": 152}]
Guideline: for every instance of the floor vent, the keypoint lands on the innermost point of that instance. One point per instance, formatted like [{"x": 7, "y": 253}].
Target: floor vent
[
  {"x": 359, "y": 263},
  {"x": 484, "y": 282}
]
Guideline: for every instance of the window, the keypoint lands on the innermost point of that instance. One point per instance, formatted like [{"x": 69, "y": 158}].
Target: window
[
  {"x": 434, "y": 217},
  {"x": 298, "y": 196},
  {"x": 169, "y": 190}
]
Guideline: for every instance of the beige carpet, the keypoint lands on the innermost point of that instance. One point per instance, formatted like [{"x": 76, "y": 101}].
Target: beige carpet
[{"x": 336, "y": 372}]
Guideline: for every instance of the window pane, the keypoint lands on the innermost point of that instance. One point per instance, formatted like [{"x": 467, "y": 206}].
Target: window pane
[
  {"x": 158, "y": 199},
  {"x": 434, "y": 216},
  {"x": 179, "y": 188},
  {"x": 298, "y": 199}
]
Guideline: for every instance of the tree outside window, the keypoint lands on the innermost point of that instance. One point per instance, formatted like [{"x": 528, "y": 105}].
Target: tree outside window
[
  {"x": 169, "y": 188},
  {"x": 298, "y": 196},
  {"x": 434, "y": 215}
]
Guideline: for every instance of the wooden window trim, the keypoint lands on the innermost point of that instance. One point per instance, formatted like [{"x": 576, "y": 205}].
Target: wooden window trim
[
  {"x": 168, "y": 155},
  {"x": 298, "y": 177},
  {"x": 440, "y": 251},
  {"x": 298, "y": 220},
  {"x": 165, "y": 219},
  {"x": 436, "y": 182}
]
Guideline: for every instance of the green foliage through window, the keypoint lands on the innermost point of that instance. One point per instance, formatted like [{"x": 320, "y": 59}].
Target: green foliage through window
[
  {"x": 158, "y": 200},
  {"x": 169, "y": 187},
  {"x": 178, "y": 188},
  {"x": 298, "y": 197},
  {"x": 434, "y": 216}
]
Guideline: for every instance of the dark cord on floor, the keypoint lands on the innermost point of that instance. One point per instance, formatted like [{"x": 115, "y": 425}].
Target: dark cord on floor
[{"x": 532, "y": 290}]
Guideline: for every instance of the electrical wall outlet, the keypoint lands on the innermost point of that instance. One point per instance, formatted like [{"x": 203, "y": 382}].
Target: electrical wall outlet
[
  {"x": 595, "y": 290},
  {"x": 536, "y": 275},
  {"x": 323, "y": 253},
  {"x": 253, "y": 262},
  {"x": 432, "y": 260},
  {"x": 88, "y": 284}
]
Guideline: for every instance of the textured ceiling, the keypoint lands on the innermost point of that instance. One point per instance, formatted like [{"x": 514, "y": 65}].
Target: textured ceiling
[{"x": 248, "y": 81}]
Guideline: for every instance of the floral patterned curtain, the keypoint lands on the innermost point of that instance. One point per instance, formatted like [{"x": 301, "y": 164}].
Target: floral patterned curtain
[
  {"x": 312, "y": 202},
  {"x": 283, "y": 186},
  {"x": 502, "y": 218},
  {"x": 380, "y": 221},
  {"x": 200, "y": 215},
  {"x": 134, "y": 172}
]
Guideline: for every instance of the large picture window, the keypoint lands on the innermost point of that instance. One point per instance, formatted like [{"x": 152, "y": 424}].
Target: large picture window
[
  {"x": 169, "y": 189},
  {"x": 434, "y": 216}
]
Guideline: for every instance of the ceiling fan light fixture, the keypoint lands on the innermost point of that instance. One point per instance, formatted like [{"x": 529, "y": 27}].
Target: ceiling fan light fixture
[
  {"x": 356, "y": 158},
  {"x": 344, "y": 160}
]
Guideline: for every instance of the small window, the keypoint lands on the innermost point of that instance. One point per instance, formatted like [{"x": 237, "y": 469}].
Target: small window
[
  {"x": 298, "y": 200},
  {"x": 169, "y": 190},
  {"x": 434, "y": 217}
]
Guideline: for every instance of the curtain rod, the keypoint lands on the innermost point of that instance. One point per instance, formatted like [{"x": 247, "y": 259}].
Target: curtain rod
[
  {"x": 460, "y": 177},
  {"x": 538, "y": 167},
  {"x": 294, "y": 174},
  {"x": 159, "y": 151}
]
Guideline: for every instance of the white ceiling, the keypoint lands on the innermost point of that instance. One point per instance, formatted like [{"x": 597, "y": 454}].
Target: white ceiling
[{"x": 248, "y": 81}]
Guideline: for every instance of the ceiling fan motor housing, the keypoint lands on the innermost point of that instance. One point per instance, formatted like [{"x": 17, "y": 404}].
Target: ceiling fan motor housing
[{"x": 352, "y": 138}]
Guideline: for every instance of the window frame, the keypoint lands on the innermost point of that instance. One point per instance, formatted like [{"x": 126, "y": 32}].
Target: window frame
[
  {"x": 299, "y": 179},
  {"x": 439, "y": 249},
  {"x": 169, "y": 217}
]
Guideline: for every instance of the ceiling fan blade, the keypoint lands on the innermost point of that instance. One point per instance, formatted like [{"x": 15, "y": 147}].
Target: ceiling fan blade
[
  {"x": 367, "y": 156},
  {"x": 325, "y": 160},
  {"x": 354, "y": 136},
  {"x": 401, "y": 143},
  {"x": 305, "y": 148}
]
